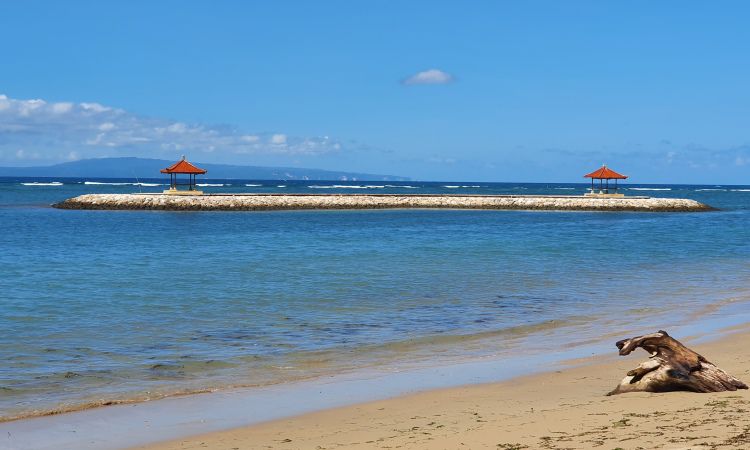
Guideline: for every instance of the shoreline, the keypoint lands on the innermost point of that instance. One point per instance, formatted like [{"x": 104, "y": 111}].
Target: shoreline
[
  {"x": 558, "y": 409},
  {"x": 174, "y": 418},
  {"x": 528, "y": 337},
  {"x": 281, "y": 202}
]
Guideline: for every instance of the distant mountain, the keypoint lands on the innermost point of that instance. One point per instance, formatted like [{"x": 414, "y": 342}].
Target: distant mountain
[{"x": 149, "y": 168}]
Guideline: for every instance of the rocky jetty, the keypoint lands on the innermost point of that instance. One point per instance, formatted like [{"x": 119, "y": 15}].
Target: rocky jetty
[{"x": 266, "y": 202}]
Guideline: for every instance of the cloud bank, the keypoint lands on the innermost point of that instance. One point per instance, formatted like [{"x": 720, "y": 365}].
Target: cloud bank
[
  {"x": 431, "y": 76},
  {"x": 35, "y": 131}
]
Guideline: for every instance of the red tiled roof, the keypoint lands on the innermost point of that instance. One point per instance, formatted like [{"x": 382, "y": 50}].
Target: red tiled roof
[
  {"x": 605, "y": 173},
  {"x": 183, "y": 166}
]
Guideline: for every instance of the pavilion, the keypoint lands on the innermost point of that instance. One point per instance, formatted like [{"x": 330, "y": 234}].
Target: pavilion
[
  {"x": 183, "y": 167},
  {"x": 604, "y": 174}
]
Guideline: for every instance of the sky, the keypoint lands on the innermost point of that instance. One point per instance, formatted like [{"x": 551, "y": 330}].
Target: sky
[{"x": 538, "y": 91}]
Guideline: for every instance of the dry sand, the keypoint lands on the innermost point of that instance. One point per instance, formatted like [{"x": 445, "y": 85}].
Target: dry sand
[{"x": 563, "y": 409}]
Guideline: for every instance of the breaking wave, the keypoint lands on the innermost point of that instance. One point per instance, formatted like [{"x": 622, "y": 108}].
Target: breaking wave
[
  {"x": 36, "y": 183},
  {"x": 97, "y": 183},
  {"x": 343, "y": 186},
  {"x": 650, "y": 189}
]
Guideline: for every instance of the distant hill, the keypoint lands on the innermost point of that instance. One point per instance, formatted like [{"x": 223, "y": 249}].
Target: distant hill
[{"x": 149, "y": 168}]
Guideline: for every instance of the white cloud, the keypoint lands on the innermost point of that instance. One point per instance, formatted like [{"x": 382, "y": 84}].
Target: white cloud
[
  {"x": 94, "y": 107},
  {"x": 62, "y": 108},
  {"x": 278, "y": 139},
  {"x": 61, "y": 131},
  {"x": 25, "y": 109},
  {"x": 24, "y": 155},
  {"x": 431, "y": 76}
]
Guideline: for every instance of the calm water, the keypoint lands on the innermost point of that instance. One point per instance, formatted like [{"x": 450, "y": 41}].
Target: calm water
[{"x": 101, "y": 306}]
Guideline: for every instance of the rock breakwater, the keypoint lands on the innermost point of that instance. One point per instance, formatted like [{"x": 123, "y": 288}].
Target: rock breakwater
[{"x": 265, "y": 202}]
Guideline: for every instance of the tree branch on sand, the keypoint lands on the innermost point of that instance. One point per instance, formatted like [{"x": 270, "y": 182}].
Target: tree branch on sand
[{"x": 671, "y": 367}]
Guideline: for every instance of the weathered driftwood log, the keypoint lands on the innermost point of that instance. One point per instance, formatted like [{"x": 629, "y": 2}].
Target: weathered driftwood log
[{"x": 672, "y": 367}]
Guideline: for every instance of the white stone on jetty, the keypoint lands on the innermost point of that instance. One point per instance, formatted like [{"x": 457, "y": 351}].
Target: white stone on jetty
[{"x": 266, "y": 202}]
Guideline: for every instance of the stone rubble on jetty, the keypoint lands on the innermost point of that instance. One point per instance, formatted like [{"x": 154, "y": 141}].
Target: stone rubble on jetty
[{"x": 266, "y": 202}]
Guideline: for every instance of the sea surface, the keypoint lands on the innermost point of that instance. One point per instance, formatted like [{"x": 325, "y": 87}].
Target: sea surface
[{"x": 101, "y": 307}]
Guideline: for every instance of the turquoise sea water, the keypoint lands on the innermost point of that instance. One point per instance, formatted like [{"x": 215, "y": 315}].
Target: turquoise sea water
[{"x": 106, "y": 306}]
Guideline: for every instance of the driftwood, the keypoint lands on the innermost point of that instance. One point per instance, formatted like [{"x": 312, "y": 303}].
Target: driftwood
[{"x": 672, "y": 367}]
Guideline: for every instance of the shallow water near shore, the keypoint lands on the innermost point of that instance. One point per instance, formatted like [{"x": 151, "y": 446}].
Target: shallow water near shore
[{"x": 110, "y": 306}]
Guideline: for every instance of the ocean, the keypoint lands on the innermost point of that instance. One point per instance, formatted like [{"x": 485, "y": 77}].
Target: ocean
[{"x": 101, "y": 307}]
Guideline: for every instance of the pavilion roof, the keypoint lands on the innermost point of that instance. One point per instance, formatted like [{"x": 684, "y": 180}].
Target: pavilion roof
[
  {"x": 183, "y": 166},
  {"x": 605, "y": 173}
]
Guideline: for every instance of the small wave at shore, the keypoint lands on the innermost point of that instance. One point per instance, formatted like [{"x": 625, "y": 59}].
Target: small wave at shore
[
  {"x": 295, "y": 366},
  {"x": 408, "y": 353},
  {"x": 53, "y": 183},
  {"x": 212, "y": 184},
  {"x": 454, "y": 186},
  {"x": 253, "y": 185}
]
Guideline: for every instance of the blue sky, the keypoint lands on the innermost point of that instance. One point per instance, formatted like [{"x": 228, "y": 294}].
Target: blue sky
[{"x": 495, "y": 91}]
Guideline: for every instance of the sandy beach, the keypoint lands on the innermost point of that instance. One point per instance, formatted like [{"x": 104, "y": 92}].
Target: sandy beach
[{"x": 561, "y": 409}]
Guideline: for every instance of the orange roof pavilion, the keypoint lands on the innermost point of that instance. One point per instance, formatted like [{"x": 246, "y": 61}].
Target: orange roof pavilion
[
  {"x": 604, "y": 174},
  {"x": 182, "y": 167}
]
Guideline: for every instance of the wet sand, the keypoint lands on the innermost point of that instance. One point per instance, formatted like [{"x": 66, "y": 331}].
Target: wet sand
[{"x": 561, "y": 409}]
